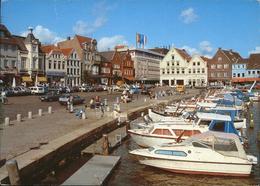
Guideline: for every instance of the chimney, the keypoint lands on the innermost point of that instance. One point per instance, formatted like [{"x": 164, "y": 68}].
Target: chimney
[
  {"x": 68, "y": 38},
  {"x": 30, "y": 29},
  {"x": 231, "y": 50},
  {"x": 219, "y": 48}
]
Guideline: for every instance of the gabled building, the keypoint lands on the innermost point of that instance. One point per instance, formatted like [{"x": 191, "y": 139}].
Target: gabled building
[
  {"x": 197, "y": 72},
  {"x": 174, "y": 68},
  {"x": 86, "y": 48},
  {"x": 121, "y": 66},
  {"x": 73, "y": 75},
  {"x": 9, "y": 49},
  {"x": 55, "y": 65},
  {"x": 220, "y": 67}
]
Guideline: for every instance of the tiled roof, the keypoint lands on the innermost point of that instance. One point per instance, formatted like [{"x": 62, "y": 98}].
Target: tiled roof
[
  {"x": 183, "y": 54},
  {"x": 20, "y": 43},
  {"x": 83, "y": 39},
  {"x": 205, "y": 58},
  {"x": 66, "y": 51},
  {"x": 254, "y": 61},
  {"x": 48, "y": 48},
  {"x": 241, "y": 61},
  {"x": 233, "y": 56},
  {"x": 163, "y": 51},
  {"x": 107, "y": 56}
]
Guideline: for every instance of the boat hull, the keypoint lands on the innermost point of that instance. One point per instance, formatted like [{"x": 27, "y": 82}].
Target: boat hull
[{"x": 206, "y": 168}]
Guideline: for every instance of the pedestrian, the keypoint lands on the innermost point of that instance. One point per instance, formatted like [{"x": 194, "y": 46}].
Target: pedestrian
[
  {"x": 92, "y": 103},
  {"x": 71, "y": 103},
  {"x": 3, "y": 96},
  {"x": 102, "y": 109}
]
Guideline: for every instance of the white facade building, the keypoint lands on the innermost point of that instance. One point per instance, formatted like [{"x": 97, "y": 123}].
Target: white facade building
[
  {"x": 179, "y": 68},
  {"x": 146, "y": 64}
]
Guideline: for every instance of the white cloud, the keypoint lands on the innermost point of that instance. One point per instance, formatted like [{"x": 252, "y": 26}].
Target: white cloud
[
  {"x": 44, "y": 35},
  {"x": 188, "y": 16},
  {"x": 205, "y": 46},
  {"x": 106, "y": 43},
  {"x": 99, "y": 11},
  {"x": 258, "y": 1},
  {"x": 256, "y": 50},
  {"x": 190, "y": 50}
]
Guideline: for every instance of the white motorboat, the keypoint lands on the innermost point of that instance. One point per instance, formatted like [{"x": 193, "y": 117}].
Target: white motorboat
[
  {"x": 210, "y": 153},
  {"x": 159, "y": 134}
]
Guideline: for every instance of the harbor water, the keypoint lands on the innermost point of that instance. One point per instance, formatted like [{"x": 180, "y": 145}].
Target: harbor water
[{"x": 130, "y": 172}]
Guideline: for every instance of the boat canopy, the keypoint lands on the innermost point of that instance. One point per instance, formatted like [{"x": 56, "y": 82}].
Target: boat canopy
[
  {"x": 223, "y": 126},
  {"x": 227, "y": 144},
  {"x": 212, "y": 116}
]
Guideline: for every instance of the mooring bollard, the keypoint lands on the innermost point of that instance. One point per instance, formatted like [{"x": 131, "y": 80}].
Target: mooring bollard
[
  {"x": 30, "y": 115},
  {"x": 83, "y": 116},
  {"x": 49, "y": 109},
  {"x": 258, "y": 136},
  {"x": 40, "y": 112},
  {"x": 13, "y": 172},
  {"x": 7, "y": 121},
  {"x": 105, "y": 145},
  {"x": 19, "y": 117}
]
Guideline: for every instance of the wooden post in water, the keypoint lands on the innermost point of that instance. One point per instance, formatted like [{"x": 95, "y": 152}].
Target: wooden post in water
[
  {"x": 13, "y": 172},
  {"x": 127, "y": 126},
  {"x": 105, "y": 145},
  {"x": 251, "y": 123}
]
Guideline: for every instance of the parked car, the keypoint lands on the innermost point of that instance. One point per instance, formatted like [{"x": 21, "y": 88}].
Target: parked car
[
  {"x": 50, "y": 96},
  {"x": 63, "y": 100},
  {"x": 37, "y": 90},
  {"x": 98, "y": 88}
]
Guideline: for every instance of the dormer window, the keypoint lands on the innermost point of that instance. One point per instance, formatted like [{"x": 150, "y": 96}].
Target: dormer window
[{"x": 219, "y": 59}]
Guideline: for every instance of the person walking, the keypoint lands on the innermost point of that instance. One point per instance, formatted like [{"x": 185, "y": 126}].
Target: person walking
[
  {"x": 102, "y": 109},
  {"x": 4, "y": 98}
]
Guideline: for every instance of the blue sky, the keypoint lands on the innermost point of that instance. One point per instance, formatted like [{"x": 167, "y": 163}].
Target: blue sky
[{"x": 200, "y": 26}]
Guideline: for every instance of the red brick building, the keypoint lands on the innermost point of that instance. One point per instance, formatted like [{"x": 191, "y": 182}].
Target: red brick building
[
  {"x": 220, "y": 66},
  {"x": 121, "y": 66}
]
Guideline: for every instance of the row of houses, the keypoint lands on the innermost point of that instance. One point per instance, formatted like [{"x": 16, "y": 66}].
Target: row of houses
[
  {"x": 225, "y": 67},
  {"x": 73, "y": 61},
  {"x": 77, "y": 60}
]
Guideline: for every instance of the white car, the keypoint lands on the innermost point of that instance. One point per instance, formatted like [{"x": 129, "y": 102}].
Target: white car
[{"x": 37, "y": 90}]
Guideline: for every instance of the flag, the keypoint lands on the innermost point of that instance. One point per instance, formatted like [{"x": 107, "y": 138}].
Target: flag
[{"x": 137, "y": 38}]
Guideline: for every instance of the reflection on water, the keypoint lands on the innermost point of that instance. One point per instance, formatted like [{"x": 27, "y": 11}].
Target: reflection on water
[{"x": 130, "y": 172}]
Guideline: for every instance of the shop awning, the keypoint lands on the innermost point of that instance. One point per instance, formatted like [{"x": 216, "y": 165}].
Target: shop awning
[
  {"x": 42, "y": 79},
  {"x": 26, "y": 79}
]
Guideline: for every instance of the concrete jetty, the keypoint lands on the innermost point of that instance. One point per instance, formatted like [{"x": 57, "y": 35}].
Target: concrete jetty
[{"x": 94, "y": 172}]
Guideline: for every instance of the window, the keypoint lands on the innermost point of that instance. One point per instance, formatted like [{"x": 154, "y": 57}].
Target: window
[
  {"x": 258, "y": 72},
  {"x": 172, "y": 57},
  {"x": 13, "y": 64},
  {"x": 13, "y": 48},
  {"x": 178, "y": 63},
  {"x": 63, "y": 65},
  {"x": 173, "y": 63},
  {"x": 34, "y": 48},
  {"x": 198, "y": 63},
  {"x": 5, "y": 63},
  {"x": 194, "y": 63},
  {"x": 182, "y": 71},
  {"x": 213, "y": 66},
  {"x": 163, "y": 71},
  {"x": 226, "y": 66},
  {"x": 212, "y": 74},
  {"x": 198, "y": 70},
  {"x": 219, "y": 126},
  {"x": 178, "y": 71},
  {"x": 243, "y": 74},
  {"x": 5, "y": 47},
  {"x": 249, "y": 72},
  {"x": 171, "y": 153},
  {"x": 55, "y": 64},
  {"x": 59, "y": 64},
  {"x": 168, "y": 71},
  {"x": 202, "y": 70},
  {"x": 219, "y": 59},
  {"x": 189, "y": 71},
  {"x": 253, "y": 72},
  {"x": 219, "y": 66},
  {"x": 78, "y": 71},
  {"x": 219, "y": 74},
  {"x": 238, "y": 66},
  {"x": 172, "y": 71},
  {"x": 49, "y": 64},
  {"x": 168, "y": 64},
  {"x": 234, "y": 74},
  {"x": 194, "y": 71},
  {"x": 238, "y": 75}
]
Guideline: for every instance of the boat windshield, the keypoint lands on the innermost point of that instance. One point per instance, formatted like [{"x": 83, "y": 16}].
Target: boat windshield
[{"x": 223, "y": 143}]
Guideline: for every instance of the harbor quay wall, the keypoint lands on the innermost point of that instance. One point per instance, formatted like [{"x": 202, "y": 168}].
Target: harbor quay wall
[{"x": 36, "y": 163}]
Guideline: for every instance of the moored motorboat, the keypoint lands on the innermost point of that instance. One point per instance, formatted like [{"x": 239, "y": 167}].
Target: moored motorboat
[{"x": 211, "y": 153}]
